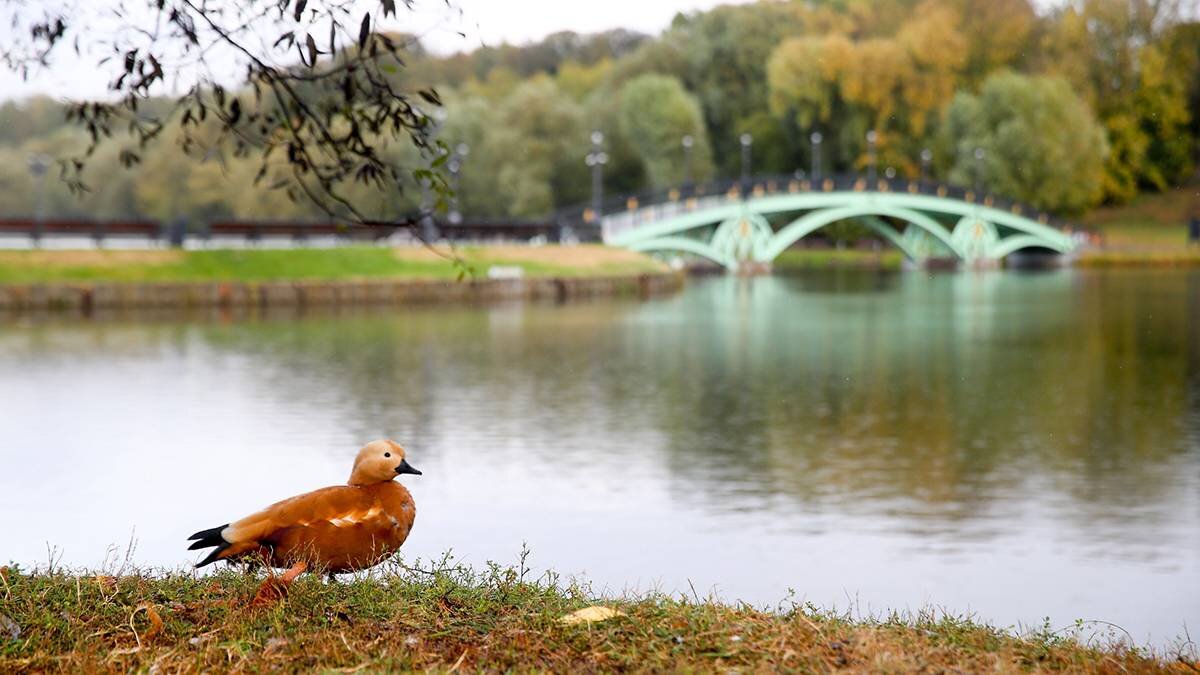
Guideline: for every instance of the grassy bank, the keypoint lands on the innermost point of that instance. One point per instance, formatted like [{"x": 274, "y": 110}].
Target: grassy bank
[
  {"x": 453, "y": 618},
  {"x": 807, "y": 259},
  {"x": 1139, "y": 258},
  {"x": 1151, "y": 220},
  {"x": 1149, "y": 231},
  {"x": 330, "y": 264}
]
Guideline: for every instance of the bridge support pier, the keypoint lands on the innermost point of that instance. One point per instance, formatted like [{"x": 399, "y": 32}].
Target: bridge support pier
[{"x": 752, "y": 268}]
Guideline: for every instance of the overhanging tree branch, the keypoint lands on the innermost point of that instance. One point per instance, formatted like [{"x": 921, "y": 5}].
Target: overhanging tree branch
[{"x": 329, "y": 111}]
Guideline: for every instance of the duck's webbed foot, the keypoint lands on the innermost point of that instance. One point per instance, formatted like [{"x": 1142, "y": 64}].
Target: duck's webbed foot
[{"x": 275, "y": 588}]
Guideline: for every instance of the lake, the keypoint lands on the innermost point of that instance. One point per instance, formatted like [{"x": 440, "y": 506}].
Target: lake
[{"x": 1018, "y": 446}]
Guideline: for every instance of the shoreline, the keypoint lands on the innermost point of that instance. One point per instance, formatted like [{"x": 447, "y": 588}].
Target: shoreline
[
  {"x": 92, "y": 296},
  {"x": 111, "y": 295}
]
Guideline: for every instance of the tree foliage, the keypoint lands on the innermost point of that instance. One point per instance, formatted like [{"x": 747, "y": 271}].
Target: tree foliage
[
  {"x": 1115, "y": 53},
  {"x": 656, "y": 114},
  {"x": 355, "y": 130},
  {"x": 315, "y": 105},
  {"x": 1039, "y": 142}
]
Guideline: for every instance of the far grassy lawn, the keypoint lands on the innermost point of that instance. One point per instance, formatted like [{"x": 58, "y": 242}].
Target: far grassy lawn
[
  {"x": 1152, "y": 229},
  {"x": 331, "y": 264},
  {"x": 822, "y": 258}
]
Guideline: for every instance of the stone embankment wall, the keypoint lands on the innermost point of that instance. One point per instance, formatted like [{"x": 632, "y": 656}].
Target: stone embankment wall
[{"x": 88, "y": 296}]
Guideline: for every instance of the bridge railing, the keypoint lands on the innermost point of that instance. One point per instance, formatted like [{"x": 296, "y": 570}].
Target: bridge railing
[
  {"x": 32, "y": 231},
  {"x": 621, "y": 212}
]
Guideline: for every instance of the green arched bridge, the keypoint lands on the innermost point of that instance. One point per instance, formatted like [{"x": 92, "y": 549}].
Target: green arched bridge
[{"x": 752, "y": 222}]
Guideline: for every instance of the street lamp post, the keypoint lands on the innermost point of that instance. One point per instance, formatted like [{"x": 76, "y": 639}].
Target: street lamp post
[
  {"x": 926, "y": 158},
  {"x": 38, "y": 165},
  {"x": 596, "y": 159},
  {"x": 979, "y": 155},
  {"x": 429, "y": 230},
  {"x": 688, "y": 142},
  {"x": 455, "y": 167},
  {"x": 871, "y": 138},
  {"x": 816, "y": 139},
  {"x": 746, "y": 140}
]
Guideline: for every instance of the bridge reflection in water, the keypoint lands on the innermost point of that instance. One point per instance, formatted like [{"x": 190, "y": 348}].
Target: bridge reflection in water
[{"x": 752, "y": 222}]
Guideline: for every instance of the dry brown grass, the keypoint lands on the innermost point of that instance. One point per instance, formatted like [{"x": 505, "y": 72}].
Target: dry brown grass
[
  {"x": 580, "y": 256},
  {"x": 91, "y": 258}
]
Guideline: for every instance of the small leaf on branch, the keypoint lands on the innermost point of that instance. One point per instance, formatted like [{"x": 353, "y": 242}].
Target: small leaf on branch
[
  {"x": 312, "y": 49},
  {"x": 364, "y": 31}
]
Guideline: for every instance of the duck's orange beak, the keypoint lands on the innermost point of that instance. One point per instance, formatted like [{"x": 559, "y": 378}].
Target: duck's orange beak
[{"x": 405, "y": 467}]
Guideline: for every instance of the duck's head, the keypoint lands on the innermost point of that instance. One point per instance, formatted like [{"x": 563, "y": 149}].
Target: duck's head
[{"x": 378, "y": 462}]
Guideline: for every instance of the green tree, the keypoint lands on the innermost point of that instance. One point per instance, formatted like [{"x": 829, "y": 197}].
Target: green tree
[
  {"x": 725, "y": 53},
  {"x": 540, "y": 133},
  {"x": 1041, "y": 144},
  {"x": 656, "y": 113}
]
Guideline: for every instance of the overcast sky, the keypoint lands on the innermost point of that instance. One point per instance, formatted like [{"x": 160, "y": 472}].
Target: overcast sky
[{"x": 489, "y": 22}]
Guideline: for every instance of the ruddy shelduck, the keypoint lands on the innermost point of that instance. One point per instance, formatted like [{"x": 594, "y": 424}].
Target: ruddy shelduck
[{"x": 335, "y": 529}]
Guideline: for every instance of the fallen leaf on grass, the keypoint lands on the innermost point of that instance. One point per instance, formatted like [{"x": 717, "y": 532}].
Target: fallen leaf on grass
[{"x": 590, "y": 615}]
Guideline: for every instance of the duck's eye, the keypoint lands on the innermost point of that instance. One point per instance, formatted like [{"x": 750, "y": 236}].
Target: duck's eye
[{"x": 387, "y": 454}]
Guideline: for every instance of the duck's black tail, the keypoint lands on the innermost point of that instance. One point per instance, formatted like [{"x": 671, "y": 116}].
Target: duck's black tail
[{"x": 207, "y": 538}]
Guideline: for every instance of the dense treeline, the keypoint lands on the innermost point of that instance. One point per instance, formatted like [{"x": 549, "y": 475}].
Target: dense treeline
[{"x": 1090, "y": 102}]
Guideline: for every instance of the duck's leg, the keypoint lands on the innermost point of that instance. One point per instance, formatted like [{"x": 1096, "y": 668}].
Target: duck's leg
[{"x": 273, "y": 588}]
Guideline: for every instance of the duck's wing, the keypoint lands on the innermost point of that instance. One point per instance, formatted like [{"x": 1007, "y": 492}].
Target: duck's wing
[{"x": 260, "y": 530}]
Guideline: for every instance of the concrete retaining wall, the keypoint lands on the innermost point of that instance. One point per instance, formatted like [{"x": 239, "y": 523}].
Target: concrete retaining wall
[{"x": 88, "y": 296}]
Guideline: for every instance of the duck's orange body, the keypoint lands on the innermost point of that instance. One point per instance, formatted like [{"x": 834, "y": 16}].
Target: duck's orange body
[{"x": 335, "y": 529}]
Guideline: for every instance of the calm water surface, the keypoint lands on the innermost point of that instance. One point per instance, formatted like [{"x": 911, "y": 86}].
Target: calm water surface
[{"x": 1018, "y": 446}]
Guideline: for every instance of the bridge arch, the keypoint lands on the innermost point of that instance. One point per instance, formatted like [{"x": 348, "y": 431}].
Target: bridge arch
[
  {"x": 734, "y": 223},
  {"x": 811, "y": 222},
  {"x": 1015, "y": 243}
]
